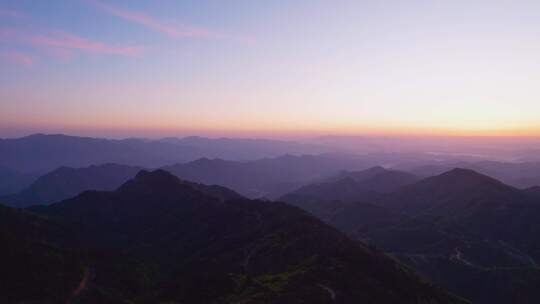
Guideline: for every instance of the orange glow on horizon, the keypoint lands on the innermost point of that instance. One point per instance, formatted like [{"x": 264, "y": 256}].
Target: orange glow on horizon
[{"x": 266, "y": 130}]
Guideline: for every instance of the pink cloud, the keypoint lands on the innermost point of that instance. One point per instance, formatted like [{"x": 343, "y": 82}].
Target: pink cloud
[
  {"x": 17, "y": 57},
  {"x": 63, "y": 44},
  {"x": 63, "y": 54},
  {"x": 152, "y": 23},
  {"x": 66, "y": 41},
  {"x": 11, "y": 14},
  {"x": 8, "y": 33},
  {"x": 174, "y": 31}
]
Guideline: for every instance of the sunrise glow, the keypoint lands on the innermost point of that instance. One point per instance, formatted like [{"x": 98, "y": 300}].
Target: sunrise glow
[{"x": 314, "y": 67}]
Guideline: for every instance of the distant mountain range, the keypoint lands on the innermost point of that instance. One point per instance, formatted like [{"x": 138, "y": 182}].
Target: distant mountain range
[
  {"x": 66, "y": 182},
  {"x": 269, "y": 177},
  {"x": 40, "y": 153},
  {"x": 160, "y": 239},
  {"x": 24, "y": 159}
]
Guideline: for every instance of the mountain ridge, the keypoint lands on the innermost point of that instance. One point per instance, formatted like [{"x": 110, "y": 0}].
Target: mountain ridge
[
  {"x": 201, "y": 243},
  {"x": 452, "y": 227},
  {"x": 66, "y": 182}
]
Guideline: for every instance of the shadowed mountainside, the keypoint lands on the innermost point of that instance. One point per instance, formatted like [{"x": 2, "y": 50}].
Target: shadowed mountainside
[
  {"x": 521, "y": 175},
  {"x": 336, "y": 198},
  {"x": 36, "y": 265},
  {"x": 477, "y": 202},
  {"x": 535, "y": 191},
  {"x": 464, "y": 230},
  {"x": 192, "y": 243}
]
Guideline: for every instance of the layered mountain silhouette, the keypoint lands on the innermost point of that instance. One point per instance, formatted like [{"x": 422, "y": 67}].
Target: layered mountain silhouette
[
  {"x": 161, "y": 239},
  {"x": 12, "y": 181},
  {"x": 457, "y": 228},
  {"x": 477, "y": 202},
  {"x": 269, "y": 178},
  {"x": 459, "y": 192},
  {"x": 67, "y": 182},
  {"x": 521, "y": 175},
  {"x": 41, "y": 153},
  {"x": 339, "y": 200}
]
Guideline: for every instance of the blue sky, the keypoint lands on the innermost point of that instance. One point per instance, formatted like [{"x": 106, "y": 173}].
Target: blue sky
[{"x": 153, "y": 68}]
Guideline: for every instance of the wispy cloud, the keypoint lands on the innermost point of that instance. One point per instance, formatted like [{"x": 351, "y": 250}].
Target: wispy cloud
[
  {"x": 67, "y": 41},
  {"x": 166, "y": 28},
  {"x": 61, "y": 42},
  {"x": 11, "y": 14},
  {"x": 17, "y": 57},
  {"x": 153, "y": 23}
]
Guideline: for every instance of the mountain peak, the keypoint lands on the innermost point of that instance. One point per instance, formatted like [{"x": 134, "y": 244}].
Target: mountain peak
[
  {"x": 467, "y": 176},
  {"x": 376, "y": 169},
  {"x": 459, "y": 191},
  {"x": 462, "y": 172},
  {"x": 363, "y": 175},
  {"x": 159, "y": 174},
  {"x": 157, "y": 179}
]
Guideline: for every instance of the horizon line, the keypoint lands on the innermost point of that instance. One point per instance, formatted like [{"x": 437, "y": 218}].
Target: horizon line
[{"x": 275, "y": 136}]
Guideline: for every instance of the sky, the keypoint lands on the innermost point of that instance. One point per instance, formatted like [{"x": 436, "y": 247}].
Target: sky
[{"x": 270, "y": 68}]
